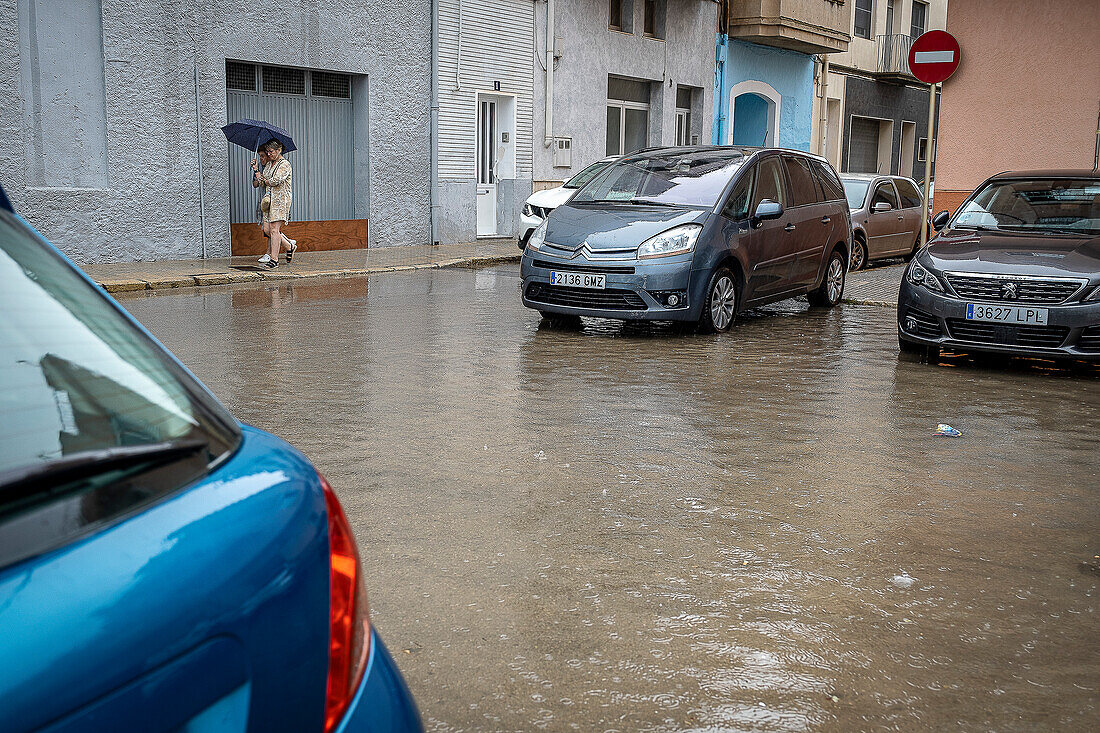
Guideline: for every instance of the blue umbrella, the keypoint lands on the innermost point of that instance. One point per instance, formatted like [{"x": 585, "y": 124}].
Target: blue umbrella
[{"x": 251, "y": 134}]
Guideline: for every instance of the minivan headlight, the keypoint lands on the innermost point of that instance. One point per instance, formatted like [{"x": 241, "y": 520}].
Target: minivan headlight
[
  {"x": 538, "y": 236},
  {"x": 920, "y": 275},
  {"x": 675, "y": 241}
]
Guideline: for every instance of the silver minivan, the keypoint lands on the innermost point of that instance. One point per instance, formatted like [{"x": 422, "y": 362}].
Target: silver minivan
[{"x": 886, "y": 216}]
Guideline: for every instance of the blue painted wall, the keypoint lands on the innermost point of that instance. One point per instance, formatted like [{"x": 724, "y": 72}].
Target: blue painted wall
[{"x": 790, "y": 73}]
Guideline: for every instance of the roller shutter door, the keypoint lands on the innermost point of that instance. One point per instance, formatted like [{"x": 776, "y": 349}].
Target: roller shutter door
[{"x": 863, "y": 146}]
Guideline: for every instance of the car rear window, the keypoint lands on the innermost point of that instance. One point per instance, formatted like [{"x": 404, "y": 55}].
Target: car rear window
[
  {"x": 830, "y": 184},
  {"x": 81, "y": 382},
  {"x": 856, "y": 192},
  {"x": 910, "y": 196}
]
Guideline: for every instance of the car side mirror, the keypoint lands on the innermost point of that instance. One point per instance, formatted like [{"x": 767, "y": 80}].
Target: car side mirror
[
  {"x": 882, "y": 206},
  {"x": 767, "y": 209},
  {"x": 939, "y": 221}
]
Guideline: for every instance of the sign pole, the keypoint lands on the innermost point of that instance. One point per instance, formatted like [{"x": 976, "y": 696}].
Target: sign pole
[{"x": 929, "y": 147}]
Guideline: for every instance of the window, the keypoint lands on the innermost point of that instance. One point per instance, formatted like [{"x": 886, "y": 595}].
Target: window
[
  {"x": 627, "y": 115},
  {"x": 885, "y": 193},
  {"x": 737, "y": 207},
  {"x": 910, "y": 196},
  {"x": 240, "y": 76},
  {"x": 653, "y": 18},
  {"x": 279, "y": 80},
  {"x": 327, "y": 84},
  {"x": 920, "y": 14},
  {"x": 803, "y": 189},
  {"x": 856, "y": 192},
  {"x": 922, "y": 150},
  {"x": 620, "y": 15},
  {"x": 769, "y": 183},
  {"x": 889, "y": 16},
  {"x": 830, "y": 184},
  {"x": 694, "y": 178},
  {"x": 864, "y": 11},
  {"x": 683, "y": 115}
]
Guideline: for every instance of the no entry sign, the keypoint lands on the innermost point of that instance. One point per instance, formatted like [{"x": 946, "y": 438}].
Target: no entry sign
[{"x": 934, "y": 57}]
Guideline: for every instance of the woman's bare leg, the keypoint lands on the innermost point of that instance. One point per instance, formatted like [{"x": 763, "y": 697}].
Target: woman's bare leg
[{"x": 275, "y": 240}]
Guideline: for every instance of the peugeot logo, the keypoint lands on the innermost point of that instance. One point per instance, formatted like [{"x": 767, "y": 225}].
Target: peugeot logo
[{"x": 1008, "y": 291}]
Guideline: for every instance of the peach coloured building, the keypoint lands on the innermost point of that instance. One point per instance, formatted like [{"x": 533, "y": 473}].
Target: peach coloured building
[{"x": 1026, "y": 94}]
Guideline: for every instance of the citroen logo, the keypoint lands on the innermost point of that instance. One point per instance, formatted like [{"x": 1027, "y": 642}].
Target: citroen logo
[{"x": 1008, "y": 291}]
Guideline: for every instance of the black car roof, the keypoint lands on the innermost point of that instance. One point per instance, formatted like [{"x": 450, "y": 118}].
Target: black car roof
[
  {"x": 745, "y": 150},
  {"x": 1049, "y": 173}
]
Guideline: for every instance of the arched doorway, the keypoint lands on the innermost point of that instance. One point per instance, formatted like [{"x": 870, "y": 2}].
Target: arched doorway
[{"x": 754, "y": 114}]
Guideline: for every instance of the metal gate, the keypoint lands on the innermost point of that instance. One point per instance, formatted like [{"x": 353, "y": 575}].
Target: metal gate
[{"x": 315, "y": 107}]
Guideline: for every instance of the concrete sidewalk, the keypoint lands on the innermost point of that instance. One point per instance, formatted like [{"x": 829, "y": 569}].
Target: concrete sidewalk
[
  {"x": 127, "y": 276},
  {"x": 876, "y": 286}
]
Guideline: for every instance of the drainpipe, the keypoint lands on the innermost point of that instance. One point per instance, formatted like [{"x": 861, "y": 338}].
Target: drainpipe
[
  {"x": 433, "y": 152},
  {"x": 198, "y": 142},
  {"x": 824, "y": 106},
  {"x": 548, "y": 137},
  {"x": 720, "y": 75}
]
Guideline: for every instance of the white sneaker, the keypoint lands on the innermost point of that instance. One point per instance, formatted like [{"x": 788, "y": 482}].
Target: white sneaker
[{"x": 265, "y": 259}]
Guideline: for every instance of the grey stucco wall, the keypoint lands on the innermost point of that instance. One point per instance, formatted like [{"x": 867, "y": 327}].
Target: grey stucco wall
[
  {"x": 590, "y": 52},
  {"x": 149, "y": 208},
  {"x": 868, "y": 98}
]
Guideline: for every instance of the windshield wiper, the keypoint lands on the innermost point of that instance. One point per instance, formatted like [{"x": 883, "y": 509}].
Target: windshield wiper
[
  {"x": 652, "y": 202},
  {"x": 43, "y": 478}
]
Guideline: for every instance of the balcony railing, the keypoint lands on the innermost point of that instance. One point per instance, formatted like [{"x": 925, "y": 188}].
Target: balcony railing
[{"x": 893, "y": 54}]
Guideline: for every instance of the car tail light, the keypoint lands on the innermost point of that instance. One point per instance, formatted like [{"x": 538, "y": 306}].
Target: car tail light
[{"x": 349, "y": 624}]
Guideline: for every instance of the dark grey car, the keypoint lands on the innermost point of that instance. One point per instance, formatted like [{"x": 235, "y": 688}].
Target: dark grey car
[
  {"x": 885, "y": 216},
  {"x": 1015, "y": 271},
  {"x": 692, "y": 234}
]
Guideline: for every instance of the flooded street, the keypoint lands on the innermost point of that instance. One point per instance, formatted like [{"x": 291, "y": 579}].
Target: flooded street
[{"x": 637, "y": 528}]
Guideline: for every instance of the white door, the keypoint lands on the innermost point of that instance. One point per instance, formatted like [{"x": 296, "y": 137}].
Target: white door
[{"x": 486, "y": 168}]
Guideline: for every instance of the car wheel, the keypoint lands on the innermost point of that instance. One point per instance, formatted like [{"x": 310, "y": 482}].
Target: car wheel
[
  {"x": 720, "y": 307},
  {"x": 831, "y": 289},
  {"x": 859, "y": 256}
]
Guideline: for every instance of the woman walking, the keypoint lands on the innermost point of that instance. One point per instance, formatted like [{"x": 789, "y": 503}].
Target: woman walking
[
  {"x": 290, "y": 244},
  {"x": 277, "y": 177}
]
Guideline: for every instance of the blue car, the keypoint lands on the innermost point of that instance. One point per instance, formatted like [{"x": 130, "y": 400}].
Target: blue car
[{"x": 162, "y": 567}]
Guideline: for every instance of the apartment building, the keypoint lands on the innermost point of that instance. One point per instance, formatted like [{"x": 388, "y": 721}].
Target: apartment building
[
  {"x": 1026, "y": 94},
  {"x": 765, "y": 58},
  {"x": 874, "y": 116},
  {"x": 613, "y": 76}
]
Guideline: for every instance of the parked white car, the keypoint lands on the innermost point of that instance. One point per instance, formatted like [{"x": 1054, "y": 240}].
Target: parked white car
[{"x": 539, "y": 204}]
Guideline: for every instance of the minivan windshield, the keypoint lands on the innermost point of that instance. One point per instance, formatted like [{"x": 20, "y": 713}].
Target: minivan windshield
[
  {"x": 587, "y": 174},
  {"x": 82, "y": 387},
  {"x": 856, "y": 192},
  {"x": 693, "y": 179},
  {"x": 1052, "y": 205}
]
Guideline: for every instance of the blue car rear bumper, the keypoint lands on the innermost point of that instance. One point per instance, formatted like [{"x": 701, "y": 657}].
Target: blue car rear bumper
[{"x": 383, "y": 702}]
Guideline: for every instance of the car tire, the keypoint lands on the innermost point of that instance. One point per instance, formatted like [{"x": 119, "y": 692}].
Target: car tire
[
  {"x": 720, "y": 304},
  {"x": 859, "y": 257},
  {"x": 831, "y": 290}
]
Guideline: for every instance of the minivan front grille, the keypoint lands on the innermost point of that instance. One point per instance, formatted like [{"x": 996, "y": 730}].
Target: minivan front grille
[
  {"x": 1004, "y": 335},
  {"x": 610, "y": 299},
  {"x": 1022, "y": 289},
  {"x": 570, "y": 267}
]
